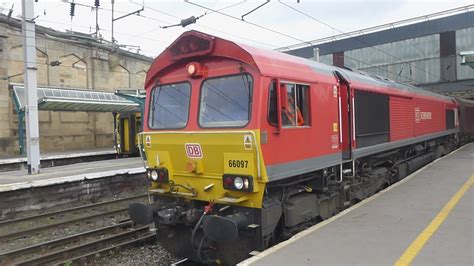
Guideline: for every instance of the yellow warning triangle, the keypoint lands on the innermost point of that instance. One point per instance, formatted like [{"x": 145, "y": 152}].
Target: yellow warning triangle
[{"x": 247, "y": 140}]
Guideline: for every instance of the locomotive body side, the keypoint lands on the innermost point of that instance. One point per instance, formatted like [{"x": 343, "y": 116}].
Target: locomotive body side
[{"x": 390, "y": 115}]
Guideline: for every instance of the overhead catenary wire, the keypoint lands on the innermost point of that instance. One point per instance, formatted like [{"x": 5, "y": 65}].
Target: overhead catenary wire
[
  {"x": 210, "y": 28},
  {"x": 150, "y": 18},
  {"x": 176, "y": 17},
  {"x": 355, "y": 38},
  {"x": 289, "y": 36},
  {"x": 346, "y": 56},
  {"x": 467, "y": 8},
  {"x": 360, "y": 61},
  {"x": 217, "y": 11},
  {"x": 83, "y": 26},
  {"x": 248, "y": 22},
  {"x": 154, "y": 53}
]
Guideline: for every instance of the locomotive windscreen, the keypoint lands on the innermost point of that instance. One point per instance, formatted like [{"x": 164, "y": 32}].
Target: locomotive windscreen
[
  {"x": 372, "y": 118},
  {"x": 225, "y": 101},
  {"x": 169, "y": 106}
]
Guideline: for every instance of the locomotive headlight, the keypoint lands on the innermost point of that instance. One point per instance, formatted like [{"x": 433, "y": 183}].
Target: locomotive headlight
[
  {"x": 239, "y": 183},
  {"x": 195, "y": 69},
  {"x": 154, "y": 175},
  {"x": 246, "y": 183}
]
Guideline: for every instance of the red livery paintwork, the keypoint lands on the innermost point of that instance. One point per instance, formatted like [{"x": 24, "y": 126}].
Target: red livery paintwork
[
  {"x": 429, "y": 116},
  {"x": 402, "y": 118}
]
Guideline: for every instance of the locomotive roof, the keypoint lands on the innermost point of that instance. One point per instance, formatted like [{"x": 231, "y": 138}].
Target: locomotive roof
[
  {"x": 352, "y": 76},
  {"x": 278, "y": 64}
]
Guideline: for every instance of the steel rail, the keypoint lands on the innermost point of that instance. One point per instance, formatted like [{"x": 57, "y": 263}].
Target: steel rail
[
  {"x": 29, "y": 218},
  {"x": 86, "y": 247},
  {"x": 50, "y": 245},
  {"x": 36, "y": 230},
  {"x": 85, "y": 257}
]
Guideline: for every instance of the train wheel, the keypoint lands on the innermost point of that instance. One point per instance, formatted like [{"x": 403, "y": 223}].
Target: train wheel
[{"x": 235, "y": 252}]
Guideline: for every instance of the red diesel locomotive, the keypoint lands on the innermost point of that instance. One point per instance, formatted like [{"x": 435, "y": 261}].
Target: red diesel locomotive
[{"x": 244, "y": 147}]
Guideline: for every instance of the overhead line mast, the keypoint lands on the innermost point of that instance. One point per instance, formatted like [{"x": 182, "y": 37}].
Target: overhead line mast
[{"x": 31, "y": 108}]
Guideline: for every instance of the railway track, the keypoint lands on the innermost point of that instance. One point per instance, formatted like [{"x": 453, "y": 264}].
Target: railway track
[{"x": 76, "y": 248}]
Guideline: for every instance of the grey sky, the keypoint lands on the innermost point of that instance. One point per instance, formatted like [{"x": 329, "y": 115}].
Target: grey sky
[{"x": 145, "y": 31}]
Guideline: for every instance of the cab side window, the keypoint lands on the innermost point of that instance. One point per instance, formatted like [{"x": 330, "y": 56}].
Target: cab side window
[
  {"x": 272, "y": 104},
  {"x": 295, "y": 113},
  {"x": 295, "y": 104}
]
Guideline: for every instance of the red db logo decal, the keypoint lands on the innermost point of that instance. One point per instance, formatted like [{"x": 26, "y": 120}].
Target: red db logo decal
[{"x": 193, "y": 150}]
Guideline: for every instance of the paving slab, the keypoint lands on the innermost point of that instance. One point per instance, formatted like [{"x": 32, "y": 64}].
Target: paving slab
[
  {"x": 59, "y": 155},
  {"x": 14, "y": 180}
]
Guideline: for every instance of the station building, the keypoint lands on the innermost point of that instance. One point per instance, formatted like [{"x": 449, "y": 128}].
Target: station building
[
  {"x": 66, "y": 60},
  {"x": 425, "y": 51}
]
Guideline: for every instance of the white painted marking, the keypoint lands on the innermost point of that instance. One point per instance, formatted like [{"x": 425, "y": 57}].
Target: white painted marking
[
  {"x": 193, "y": 150},
  {"x": 148, "y": 141},
  {"x": 318, "y": 226},
  {"x": 248, "y": 142},
  {"x": 340, "y": 119},
  {"x": 59, "y": 156},
  {"x": 67, "y": 179}
]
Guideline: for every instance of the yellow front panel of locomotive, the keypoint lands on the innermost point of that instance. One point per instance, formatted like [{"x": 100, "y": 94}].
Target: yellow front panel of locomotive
[{"x": 196, "y": 162}]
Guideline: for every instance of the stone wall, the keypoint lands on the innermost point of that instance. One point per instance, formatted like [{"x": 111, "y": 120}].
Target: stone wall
[{"x": 85, "y": 64}]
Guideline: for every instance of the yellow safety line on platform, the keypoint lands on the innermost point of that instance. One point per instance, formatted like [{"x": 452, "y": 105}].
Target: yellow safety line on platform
[{"x": 415, "y": 247}]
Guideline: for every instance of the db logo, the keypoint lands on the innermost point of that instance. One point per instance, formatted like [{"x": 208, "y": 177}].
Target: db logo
[{"x": 193, "y": 150}]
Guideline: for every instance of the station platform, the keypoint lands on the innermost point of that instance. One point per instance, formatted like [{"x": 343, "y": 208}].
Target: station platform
[
  {"x": 14, "y": 180},
  {"x": 425, "y": 219},
  {"x": 60, "y": 155}
]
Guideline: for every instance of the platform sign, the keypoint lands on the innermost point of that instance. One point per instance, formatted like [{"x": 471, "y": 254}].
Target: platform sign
[{"x": 193, "y": 150}]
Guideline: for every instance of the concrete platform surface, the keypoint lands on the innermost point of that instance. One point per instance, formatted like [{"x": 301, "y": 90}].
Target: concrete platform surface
[
  {"x": 69, "y": 173},
  {"x": 379, "y": 230},
  {"x": 59, "y": 155}
]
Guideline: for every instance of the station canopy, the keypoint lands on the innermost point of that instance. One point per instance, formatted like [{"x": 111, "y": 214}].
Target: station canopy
[{"x": 61, "y": 99}]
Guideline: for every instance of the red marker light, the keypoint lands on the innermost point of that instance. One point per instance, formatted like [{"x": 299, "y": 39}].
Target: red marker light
[
  {"x": 228, "y": 182},
  {"x": 161, "y": 176}
]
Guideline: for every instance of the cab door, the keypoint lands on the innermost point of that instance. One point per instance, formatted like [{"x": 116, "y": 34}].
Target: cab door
[{"x": 345, "y": 116}]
